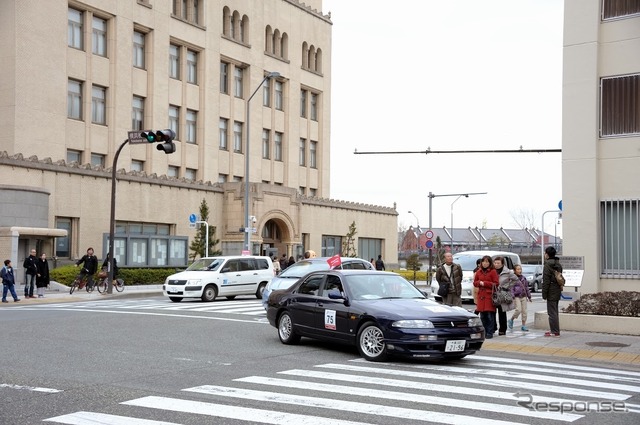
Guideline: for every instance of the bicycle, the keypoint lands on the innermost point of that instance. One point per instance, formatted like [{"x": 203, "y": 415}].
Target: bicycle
[
  {"x": 81, "y": 282},
  {"x": 103, "y": 285}
]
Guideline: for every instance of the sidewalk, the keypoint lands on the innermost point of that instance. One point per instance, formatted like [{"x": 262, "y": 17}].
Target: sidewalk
[{"x": 604, "y": 347}]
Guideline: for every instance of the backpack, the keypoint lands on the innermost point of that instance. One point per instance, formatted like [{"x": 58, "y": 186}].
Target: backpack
[{"x": 559, "y": 278}]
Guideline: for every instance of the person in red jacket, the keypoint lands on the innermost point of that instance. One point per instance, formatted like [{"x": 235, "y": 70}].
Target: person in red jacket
[{"x": 486, "y": 280}]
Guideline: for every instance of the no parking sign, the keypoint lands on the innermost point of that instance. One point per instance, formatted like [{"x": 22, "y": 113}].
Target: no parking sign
[{"x": 429, "y": 235}]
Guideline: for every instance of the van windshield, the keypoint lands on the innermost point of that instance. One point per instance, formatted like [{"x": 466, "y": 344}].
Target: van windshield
[
  {"x": 204, "y": 264},
  {"x": 467, "y": 262}
]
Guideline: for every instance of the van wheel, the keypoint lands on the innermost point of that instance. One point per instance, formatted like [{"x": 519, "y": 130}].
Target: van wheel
[
  {"x": 209, "y": 294},
  {"x": 260, "y": 290},
  {"x": 175, "y": 299}
]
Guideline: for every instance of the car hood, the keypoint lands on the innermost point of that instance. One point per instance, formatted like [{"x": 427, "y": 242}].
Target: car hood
[
  {"x": 188, "y": 275},
  {"x": 412, "y": 308}
]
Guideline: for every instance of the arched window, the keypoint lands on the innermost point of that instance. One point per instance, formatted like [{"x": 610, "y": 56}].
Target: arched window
[
  {"x": 305, "y": 55},
  {"x": 268, "y": 41},
  {"x": 244, "y": 29},
  {"x": 312, "y": 58},
  {"x": 284, "y": 46},
  {"x": 276, "y": 43},
  {"x": 318, "y": 67},
  {"x": 226, "y": 21},
  {"x": 235, "y": 23}
]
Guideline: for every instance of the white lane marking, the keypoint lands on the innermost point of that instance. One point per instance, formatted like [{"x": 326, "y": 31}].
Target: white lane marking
[
  {"x": 348, "y": 406},
  {"x": 35, "y": 389},
  {"x": 92, "y": 418},
  {"x": 416, "y": 398},
  {"x": 234, "y": 412},
  {"x": 480, "y": 380}
]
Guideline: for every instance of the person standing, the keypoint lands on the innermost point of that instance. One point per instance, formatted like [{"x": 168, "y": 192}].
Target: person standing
[
  {"x": 42, "y": 280},
  {"x": 380, "y": 263},
  {"x": 8, "y": 282},
  {"x": 291, "y": 261},
  {"x": 521, "y": 294},
  {"x": 31, "y": 272},
  {"x": 486, "y": 280},
  {"x": 551, "y": 291},
  {"x": 451, "y": 273},
  {"x": 89, "y": 266},
  {"x": 506, "y": 280}
]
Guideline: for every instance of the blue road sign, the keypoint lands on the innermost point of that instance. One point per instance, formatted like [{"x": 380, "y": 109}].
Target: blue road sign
[
  {"x": 560, "y": 205},
  {"x": 429, "y": 244},
  {"x": 193, "y": 218}
]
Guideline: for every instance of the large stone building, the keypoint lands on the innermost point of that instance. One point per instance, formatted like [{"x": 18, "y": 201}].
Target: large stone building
[
  {"x": 77, "y": 76},
  {"x": 601, "y": 141}
]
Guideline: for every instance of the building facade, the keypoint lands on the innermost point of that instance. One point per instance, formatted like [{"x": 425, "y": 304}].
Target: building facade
[
  {"x": 601, "y": 141},
  {"x": 80, "y": 75}
]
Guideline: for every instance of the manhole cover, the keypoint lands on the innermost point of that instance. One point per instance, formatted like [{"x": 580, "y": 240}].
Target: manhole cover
[{"x": 607, "y": 344}]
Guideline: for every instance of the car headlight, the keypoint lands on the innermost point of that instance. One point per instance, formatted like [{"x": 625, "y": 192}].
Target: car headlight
[
  {"x": 412, "y": 324},
  {"x": 474, "y": 322}
]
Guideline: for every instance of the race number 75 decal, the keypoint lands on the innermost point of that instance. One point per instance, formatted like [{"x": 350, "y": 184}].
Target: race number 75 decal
[{"x": 330, "y": 319}]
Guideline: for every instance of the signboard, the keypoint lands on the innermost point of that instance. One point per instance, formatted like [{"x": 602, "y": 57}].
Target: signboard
[
  {"x": 136, "y": 138},
  {"x": 193, "y": 218},
  {"x": 429, "y": 244},
  {"x": 334, "y": 261},
  {"x": 572, "y": 277},
  {"x": 429, "y": 234},
  {"x": 571, "y": 262}
]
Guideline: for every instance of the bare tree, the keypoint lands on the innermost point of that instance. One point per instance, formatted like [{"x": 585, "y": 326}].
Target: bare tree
[{"x": 524, "y": 218}]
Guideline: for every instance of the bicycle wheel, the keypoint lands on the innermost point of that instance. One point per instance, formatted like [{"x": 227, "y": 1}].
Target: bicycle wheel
[
  {"x": 119, "y": 285},
  {"x": 73, "y": 287},
  {"x": 90, "y": 288},
  {"x": 103, "y": 285}
]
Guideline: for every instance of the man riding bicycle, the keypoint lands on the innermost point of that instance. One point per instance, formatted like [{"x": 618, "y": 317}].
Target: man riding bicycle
[{"x": 89, "y": 266}]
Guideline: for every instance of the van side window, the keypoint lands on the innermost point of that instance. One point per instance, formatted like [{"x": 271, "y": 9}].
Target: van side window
[
  {"x": 231, "y": 266},
  {"x": 262, "y": 264}
]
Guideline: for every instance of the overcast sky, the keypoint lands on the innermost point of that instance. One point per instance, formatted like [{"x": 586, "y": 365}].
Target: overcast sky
[{"x": 409, "y": 75}]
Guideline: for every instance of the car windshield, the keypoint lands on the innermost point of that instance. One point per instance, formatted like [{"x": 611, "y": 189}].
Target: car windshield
[
  {"x": 204, "y": 264},
  {"x": 303, "y": 267},
  {"x": 379, "y": 286}
]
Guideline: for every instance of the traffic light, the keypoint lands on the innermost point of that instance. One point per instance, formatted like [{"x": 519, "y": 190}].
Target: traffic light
[{"x": 164, "y": 138}]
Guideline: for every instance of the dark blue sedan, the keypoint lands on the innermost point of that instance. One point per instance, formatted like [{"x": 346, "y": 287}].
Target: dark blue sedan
[{"x": 381, "y": 313}]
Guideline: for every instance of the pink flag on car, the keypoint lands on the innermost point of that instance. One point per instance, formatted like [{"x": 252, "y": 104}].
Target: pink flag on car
[{"x": 334, "y": 261}]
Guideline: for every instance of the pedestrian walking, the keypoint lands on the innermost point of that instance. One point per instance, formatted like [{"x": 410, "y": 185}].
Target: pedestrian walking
[
  {"x": 506, "y": 280},
  {"x": 42, "y": 281},
  {"x": 450, "y": 273},
  {"x": 291, "y": 261},
  {"x": 8, "y": 282},
  {"x": 521, "y": 295},
  {"x": 31, "y": 272},
  {"x": 486, "y": 280},
  {"x": 551, "y": 290},
  {"x": 380, "y": 263}
]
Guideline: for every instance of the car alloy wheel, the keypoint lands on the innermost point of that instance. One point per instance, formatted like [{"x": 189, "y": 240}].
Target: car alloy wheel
[
  {"x": 285, "y": 330},
  {"x": 371, "y": 343}
]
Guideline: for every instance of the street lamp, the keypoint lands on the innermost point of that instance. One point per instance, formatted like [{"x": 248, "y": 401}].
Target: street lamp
[
  {"x": 460, "y": 196},
  {"x": 418, "y": 237},
  {"x": 247, "y": 229}
]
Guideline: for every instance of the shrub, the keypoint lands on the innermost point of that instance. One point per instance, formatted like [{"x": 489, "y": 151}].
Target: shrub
[
  {"x": 67, "y": 274},
  {"x": 408, "y": 274},
  {"x": 622, "y": 303}
]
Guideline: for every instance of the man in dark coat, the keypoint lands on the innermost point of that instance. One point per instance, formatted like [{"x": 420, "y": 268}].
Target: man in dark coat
[
  {"x": 43, "y": 275},
  {"x": 551, "y": 291},
  {"x": 31, "y": 271},
  {"x": 451, "y": 273}
]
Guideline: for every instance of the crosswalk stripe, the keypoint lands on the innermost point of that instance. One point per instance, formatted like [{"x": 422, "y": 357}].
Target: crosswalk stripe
[
  {"x": 477, "y": 380},
  {"x": 93, "y": 418},
  {"x": 234, "y": 412},
  {"x": 416, "y": 398},
  {"x": 349, "y": 406}
]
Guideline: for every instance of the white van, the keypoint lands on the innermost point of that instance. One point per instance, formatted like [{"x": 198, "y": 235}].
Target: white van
[
  {"x": 227, "y": 276},
  {"x": 467, "y": 260}
]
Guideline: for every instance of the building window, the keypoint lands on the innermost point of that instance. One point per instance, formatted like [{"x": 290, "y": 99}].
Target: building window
[
  {"x": 137, "y": 113},
  {"x": 303, "y": 103},
  {"x": 313, "y": 158},
  {"x": 224, "y": 77},
  {"x": 237, "y": 82},
  {"x": 314, "y": 107},
  {"x": 192, "y": 126},
  {"x": 174, "y": 61},
  {"x": 302, "y": 190},
  {"x": 190, "y": 174},
  {"x": 62, "y": 243},
  {"x": 98, "y": 105},
  {"x": 74, "y": 99},
  {"x": 74, "y": 29},
  {"x": 302, "y": 152},
  {"x": 266, "y": 93},
  {"x": 277, "y": 146},
  {"x": 237, "y": 136},
  {"x": 137, "y": 165},
  {"x": 224, "y": 128},
  {"x": 138, "y": 49},
  {"x": 620, "y": 227},
  {"x": 173, "y": 171},
  {"x": 265, "y": 143},
  {"x": 619, "y": 110},
  {"x": 174, "y": 120},
  {"x": 331, "y": 245},
  {"x": 192, "y": 67},
  {"x": 222, "y": 178},
  {"x": 279, "y": 95},
  {"x": 99, "y": 29},
  {"x": 74, "y": 156},
  {"x": 98, "y": 160},
  {"x": 618, "y": 8},
  {"x": 188, "y": 10},
  {"x": 237, "y": 179},
  {"x": 313, "y": 192}
]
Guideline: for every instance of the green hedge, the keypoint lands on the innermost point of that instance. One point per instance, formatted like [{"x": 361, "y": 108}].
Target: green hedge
[
  {"x": 408, "y": 274},
  {"x": 66, "y": 275}
]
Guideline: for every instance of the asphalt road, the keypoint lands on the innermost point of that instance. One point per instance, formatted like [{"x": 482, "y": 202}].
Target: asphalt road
[{"x": 104, "y": 362}]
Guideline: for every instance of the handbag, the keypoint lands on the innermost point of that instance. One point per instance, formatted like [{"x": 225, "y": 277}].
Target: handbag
[{"x": 501, "y": 296}]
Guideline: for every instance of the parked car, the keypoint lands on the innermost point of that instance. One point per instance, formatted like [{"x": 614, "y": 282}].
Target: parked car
[
  {"x": 291, "y": 274},
  {"x": 228, "y": 276},
  {"x": 380, "y": 312},
  {"x": 467, "y": 260},
  {"x": 533, "y": 273}
]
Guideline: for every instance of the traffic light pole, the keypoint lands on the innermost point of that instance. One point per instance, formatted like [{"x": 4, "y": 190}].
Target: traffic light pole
[{"x": 112, "y": 220}]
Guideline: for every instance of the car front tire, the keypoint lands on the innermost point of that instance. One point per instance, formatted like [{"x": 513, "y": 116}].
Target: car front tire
[
  {"x": 209, "y": 294},
  {"x": 285, "y": 330},
  {"x": 260, "y": 290},
  {"x": 371, "y": 343}
]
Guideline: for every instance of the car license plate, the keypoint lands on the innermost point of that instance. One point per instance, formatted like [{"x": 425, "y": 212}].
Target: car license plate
[
  {"x": 455, "y": 345},
  {"x": 174, "y": 290}
]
